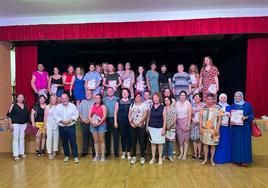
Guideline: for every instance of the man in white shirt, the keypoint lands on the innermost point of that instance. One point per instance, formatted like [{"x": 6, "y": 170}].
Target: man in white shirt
[{"x": 66, "y": 116}]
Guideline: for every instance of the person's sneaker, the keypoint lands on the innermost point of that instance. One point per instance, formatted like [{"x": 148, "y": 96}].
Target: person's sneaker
[
  {"x": 16, "y": 158},
  {"x": 76, "y": 160},
  {"x": 163, "y": 159},
  {"x": 38, "y": 153},
  {"x": 128, "y": 156},
  {"x": 95, "y": 159},
  {"x": 142, "y": 161},
  {"x": 23, "y": 156},
  {"x": 42, "y": 152},
  {"x": 66, "y": 159},
  {"x": 133, "y": 160},
  {"x": 50, "y": 156},
  {"x": 170, "y": 159},
  {"x": 54, "y": 154},
  {"x": 102, "y": 160},
  {"x": 123, "y": 156}
]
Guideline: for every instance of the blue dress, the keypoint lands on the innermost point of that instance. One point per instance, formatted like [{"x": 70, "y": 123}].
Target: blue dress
[
  {"x": 153, "y": 80},
  {"x": 79, "y": 89},
  {"x": 241, "y": 149},
  {"x": 223, "y": 150}
]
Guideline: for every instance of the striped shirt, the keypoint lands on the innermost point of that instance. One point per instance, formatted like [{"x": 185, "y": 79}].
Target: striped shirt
[{"x": 181, "y": 82}]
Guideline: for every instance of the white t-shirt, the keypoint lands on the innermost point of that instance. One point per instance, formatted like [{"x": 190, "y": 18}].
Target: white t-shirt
[{"x": 138, "y": 112}]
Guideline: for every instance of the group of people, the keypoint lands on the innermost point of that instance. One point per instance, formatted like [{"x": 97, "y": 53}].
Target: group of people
[{"x": 146, "y": 106}]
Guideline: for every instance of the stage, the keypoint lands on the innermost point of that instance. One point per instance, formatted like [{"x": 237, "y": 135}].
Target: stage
[{"x": 41, "y": 172}]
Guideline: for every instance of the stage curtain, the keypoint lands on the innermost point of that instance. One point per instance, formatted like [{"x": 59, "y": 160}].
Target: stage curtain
[
  {"x": 257, "y": 74},
  {"x": 211, "y": 26},
  {"x": 26, "y": 62}
]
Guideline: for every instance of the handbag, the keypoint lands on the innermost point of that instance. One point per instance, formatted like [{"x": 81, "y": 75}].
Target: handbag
[
  {"x": 256, "y": 132},
  {"x": 30, "y": 130}
]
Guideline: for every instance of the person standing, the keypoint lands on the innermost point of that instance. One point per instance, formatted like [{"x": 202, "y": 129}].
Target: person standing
[
  {"x": 77, "y": 88},
  {"x": 109, "y": 102},
  {"x": 137, "y": 117},
  {"x": 209, "y": 81},
  {"x": 223, "y": 150},
  {"x": 184, "y": 116},
  {"x": 39, "y": 81},
  {"x": 87, "y": 138},
  {"x": 67, "y": 79},
  {"x": 97, "y": 118},
  {"x": 156, "y": 127},
  {"x": 210, "y": 121},
  {"x": 241, "y": 148},
  {"x": 170, "y": 128},
  {"x": 55, "y": 85},
  {"x": 19, "y": 115},
  {"x": 37, "y": 118},
  {"x": 121, "y": 121},
  {"x": 194, "y": 75},
  {"x": 93, "y": 80},
  {"x": 181, "y": 82},
  {"x": 120, "y": 69},
  {"x": 197, "y": 106},
  {"x": 51, "y": 128},
  {"x": 112, "y": 79},
  {"x": 152, "y": 79},
  {"x": 140, "y": 84},
  {"x": 164, "y": 79},
  {"x": 66, "y": 116},
  {"x": 128, "y": 79}
]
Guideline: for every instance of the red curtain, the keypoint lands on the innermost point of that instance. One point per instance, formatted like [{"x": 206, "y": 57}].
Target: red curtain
[
  {"x": 26, "y": 61},
  {"x": 136, "y": 29},
  {"x": 257, "y": 74}
]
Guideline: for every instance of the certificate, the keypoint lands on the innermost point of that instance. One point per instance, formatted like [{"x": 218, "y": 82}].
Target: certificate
[
  {"x": 127, "y": 82},
  {"x": 212, "y": 88},
  {"x": 225, "y": 119},
  {"x": 91, "y": 84},
  {"x": 53, "y": 88},
  {"x": 112, "y": 83},
  {"x": 236, "y": 117}
]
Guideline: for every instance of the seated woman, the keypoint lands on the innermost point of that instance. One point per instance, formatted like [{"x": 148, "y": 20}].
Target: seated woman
[
  {"x": 210, "y": 121},
  {"x": 241, "y": 149}
]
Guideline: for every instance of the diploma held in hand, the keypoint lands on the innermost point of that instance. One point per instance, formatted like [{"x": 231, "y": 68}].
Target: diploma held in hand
[{"x": 236, "y": 117}]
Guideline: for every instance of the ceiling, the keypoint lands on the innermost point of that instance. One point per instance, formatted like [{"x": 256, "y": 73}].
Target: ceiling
[{"x": 24, "y": 8}]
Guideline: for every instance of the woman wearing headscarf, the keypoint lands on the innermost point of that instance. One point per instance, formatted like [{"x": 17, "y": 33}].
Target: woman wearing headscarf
[
  {"x": 223, "y": 150},
  {"x": 241, "y": 149}
]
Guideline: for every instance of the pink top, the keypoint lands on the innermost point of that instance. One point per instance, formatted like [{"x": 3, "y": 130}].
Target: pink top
[
  {"x": 97, "y": 113},
  {"x": 182, "y": 109},
  {"x": 40, "y": 80}
]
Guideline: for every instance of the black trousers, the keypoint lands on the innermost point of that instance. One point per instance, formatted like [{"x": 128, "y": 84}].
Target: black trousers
[
  {"x": 137, "y": 134},
  {"x": 108, "y": 134},
  {"x": 124, "y": 128},
  {"x": 87, "y": 138}
]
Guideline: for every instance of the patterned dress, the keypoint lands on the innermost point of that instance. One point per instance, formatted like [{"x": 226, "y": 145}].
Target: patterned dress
[
  {"x": 210, "y": 117},
  {"x": 171, "y": 128},
  {"x": 195, "y": 129},
  {"x": 208, "y": 78}
]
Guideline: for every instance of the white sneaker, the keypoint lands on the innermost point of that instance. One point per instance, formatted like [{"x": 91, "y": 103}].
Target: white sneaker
[
  {"x": 95, "y": 159},
  {"x": 128, "y": 156},
  {"x": 66, "y": 159},
  {"x": 170, "y": 159},
  {"x": 142, "y": 161},
  {"x": 50, "y": 156},
  {"x": 180, "y": 157},
  {"x": 102, "y": 159},
  {"x": 123, "y": 156},
  {"x": 76, "y": 160},
  {"x": 133, "y": 160}
]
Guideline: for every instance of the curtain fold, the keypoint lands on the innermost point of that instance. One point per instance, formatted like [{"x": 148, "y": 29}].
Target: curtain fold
[
  {"x": 257, "y": 74},
  {"x": 209, "y": 26},
  {"x": 26, "y": 62}
]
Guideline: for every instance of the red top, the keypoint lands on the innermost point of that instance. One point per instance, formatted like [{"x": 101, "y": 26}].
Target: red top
[
  {"x": 97, "y": 113},
  {"x": 68, "y": 80}
]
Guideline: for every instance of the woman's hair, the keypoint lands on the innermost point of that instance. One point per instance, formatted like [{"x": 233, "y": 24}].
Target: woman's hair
[
  {"x": 137, "y": 94},
  {"x": 164, "y": 65},
  {"x": 171, "y": 94},
  {"x": 113, "y": 67},
  {"x": 147, "y": 91},
  {"x": 80, "y": 70},
  {"x": 143, "y": 74},
  {"x": 210, "y": 95},
  {"x": 126, "y": 89},
  {"x": 16, "y": 100},
  {"x": 210, "y": 59},
  {"x": 101, "y": 101},
  {"x": 153, "y": 62},
  {"x": 196, "y": 68},
  {"x": 50, "y": 98},
  {"x": 38, "y": 99},
  {"x": 197, "y": 94},
  {"x": 183, "y": 92},
  {"x": 169, "y": 98},
  {"x": 159, "y": 96}
]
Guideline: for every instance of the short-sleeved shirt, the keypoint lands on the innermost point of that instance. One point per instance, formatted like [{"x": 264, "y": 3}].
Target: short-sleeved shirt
[
  {"x": 138, "y": 112},
  {"x": 40, "y": 80},
  {"x": 110, "y": 103},
  {"x": 84, "y": 107},
  {"x": 163, "y": 77},
  {"x": 181, "y": 82},
  {"x": 113, "y": 77},
  {"x": 93, "y": 75}
]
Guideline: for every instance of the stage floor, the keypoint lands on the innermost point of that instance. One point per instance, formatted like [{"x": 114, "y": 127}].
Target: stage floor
[{"x": 41, "y": 172}]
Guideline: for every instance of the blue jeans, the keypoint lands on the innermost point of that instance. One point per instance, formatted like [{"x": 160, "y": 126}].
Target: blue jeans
[
  {"x": 68, "y": 136},
  {"x": 168, "y": 149}
]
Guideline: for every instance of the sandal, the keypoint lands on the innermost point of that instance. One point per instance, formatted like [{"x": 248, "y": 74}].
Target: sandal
[{"x": 16, "y": 158}]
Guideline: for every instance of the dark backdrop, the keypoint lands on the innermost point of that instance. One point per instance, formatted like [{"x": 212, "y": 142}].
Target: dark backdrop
[{"x": 227, "y": 51}]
